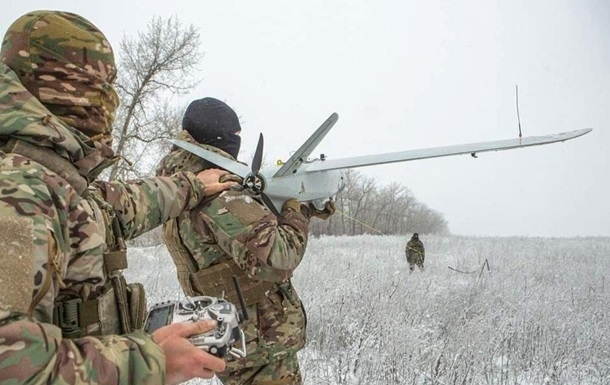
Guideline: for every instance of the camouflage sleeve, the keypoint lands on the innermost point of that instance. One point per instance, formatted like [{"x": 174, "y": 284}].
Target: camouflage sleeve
[
  {"x": 35, "y": 353},
  {"x": 145, "y": 204},
  {"x": 65, "y": 234},
  {"x": 268, "y": 248}
]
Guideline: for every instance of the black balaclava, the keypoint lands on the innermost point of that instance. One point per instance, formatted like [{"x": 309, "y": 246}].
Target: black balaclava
[{"x": 212, "y": 122}]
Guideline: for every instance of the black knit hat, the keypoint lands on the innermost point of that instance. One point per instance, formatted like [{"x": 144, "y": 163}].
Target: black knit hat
[{"x": 212, "y": 122}]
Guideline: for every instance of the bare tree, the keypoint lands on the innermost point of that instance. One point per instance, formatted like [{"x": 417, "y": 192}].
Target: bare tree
[
  {"x": 360, "y": 198},
  {"x": 158, "y": 64},
  {"x": 363, "y": 207},
  {"x": 392, "y": 202}
]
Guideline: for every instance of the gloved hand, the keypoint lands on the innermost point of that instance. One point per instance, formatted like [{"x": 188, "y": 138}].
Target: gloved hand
[
  {"x": 296, "y": 206},
  {"x": 329, "y": 209}
]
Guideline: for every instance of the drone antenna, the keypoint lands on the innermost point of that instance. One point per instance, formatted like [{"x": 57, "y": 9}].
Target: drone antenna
[
  {"x": 242, "y": 302},
  {"x": 517, "y": 102}
]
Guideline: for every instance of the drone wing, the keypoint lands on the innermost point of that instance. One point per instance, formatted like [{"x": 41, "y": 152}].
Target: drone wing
[
  {"x": 220, "y": 161},
  {"x": 436, "y": 152},
  {"x": 297, "y": 159}
]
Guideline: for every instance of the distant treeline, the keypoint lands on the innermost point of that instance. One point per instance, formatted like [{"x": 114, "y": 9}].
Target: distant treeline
[{"x": 364, "y": 207}]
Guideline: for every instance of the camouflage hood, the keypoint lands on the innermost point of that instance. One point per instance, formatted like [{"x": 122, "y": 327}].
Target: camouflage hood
[
  {"x": 182, "y": 160},
  {"x": 67, "y": 63},
  {"x": 23, "y": 117}
]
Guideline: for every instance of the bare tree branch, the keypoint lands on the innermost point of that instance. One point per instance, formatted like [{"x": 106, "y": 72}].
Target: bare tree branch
[{"x": 159, "y": 63}]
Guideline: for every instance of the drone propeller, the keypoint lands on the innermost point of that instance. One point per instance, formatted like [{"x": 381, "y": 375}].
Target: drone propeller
[
  {"x": 254, "y": 182},
  {"x": 257, "y": 161}
]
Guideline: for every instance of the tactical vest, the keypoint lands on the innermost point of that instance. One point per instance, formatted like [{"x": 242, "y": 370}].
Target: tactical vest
[
  {"x": 120, "y": 307},
  {"x": 215, "y": 280}
]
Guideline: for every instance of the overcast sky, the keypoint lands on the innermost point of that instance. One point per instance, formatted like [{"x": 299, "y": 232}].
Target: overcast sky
[{"x": 414, "y": 74}]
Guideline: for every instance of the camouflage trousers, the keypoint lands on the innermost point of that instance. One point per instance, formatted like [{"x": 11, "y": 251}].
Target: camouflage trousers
[
  {"x": 415, "y": 259},
  {"x": 274, "y": 333}
]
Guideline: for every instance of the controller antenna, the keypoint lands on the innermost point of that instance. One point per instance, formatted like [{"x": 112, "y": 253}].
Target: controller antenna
[{"x": 242, "y": 302}]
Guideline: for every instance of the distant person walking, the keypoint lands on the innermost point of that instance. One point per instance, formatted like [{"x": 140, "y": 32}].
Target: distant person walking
[{"x": 415, "y": 253}]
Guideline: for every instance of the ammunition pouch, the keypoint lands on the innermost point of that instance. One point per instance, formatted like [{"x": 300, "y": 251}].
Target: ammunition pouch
[
  {"x": 114, "y": 263},
  {"x": 137, "y": 305},
  {"x": 120, "y": 309},
  {"x": 104, "y": 314},
  {"x": 78, "y": 318},
  {"x": 217, "y": 280}
]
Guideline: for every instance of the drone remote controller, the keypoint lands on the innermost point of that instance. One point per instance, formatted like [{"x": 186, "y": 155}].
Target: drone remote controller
[{"x": 218, "y": 341}]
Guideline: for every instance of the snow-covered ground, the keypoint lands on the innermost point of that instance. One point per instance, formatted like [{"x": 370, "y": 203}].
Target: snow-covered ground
[{"x": 539, "y": 315}]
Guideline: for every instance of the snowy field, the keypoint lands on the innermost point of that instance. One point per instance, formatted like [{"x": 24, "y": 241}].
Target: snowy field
[{"x": 540, "y": 315}]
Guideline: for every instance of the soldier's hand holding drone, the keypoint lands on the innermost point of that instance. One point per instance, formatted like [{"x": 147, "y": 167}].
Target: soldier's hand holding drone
[
  {"x": 309, "y": 210},
  {"x": 328, "y": 210}
]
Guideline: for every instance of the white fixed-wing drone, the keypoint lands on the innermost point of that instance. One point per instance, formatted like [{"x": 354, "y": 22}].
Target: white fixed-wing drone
[{"x": 320, "y": 179}]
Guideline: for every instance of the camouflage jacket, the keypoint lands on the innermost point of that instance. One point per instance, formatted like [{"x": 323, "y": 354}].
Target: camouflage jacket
[
  {"x": 415, "y": 248},
  {"x": 71, "y": 231},
  {"x": 236, "y": 225}
]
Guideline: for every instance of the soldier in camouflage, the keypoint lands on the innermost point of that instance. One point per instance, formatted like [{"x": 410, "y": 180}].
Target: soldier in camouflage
[
  {"x": 67, "y": 316},
  {"x": 235, "y": 234},
  {"x": 416, "y": 254}
]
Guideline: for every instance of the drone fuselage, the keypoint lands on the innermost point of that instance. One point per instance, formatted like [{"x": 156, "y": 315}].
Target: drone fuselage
[{"x": 315, "y": 187}]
